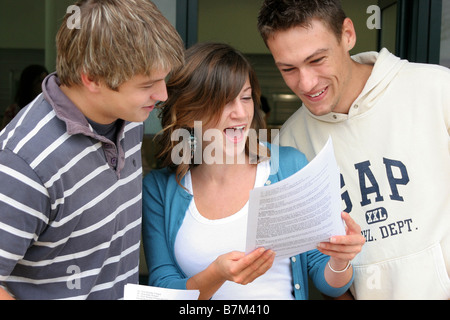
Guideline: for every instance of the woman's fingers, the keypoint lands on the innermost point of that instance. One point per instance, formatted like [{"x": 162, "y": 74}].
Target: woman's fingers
[
  {"x": 258, "y": 267},
  {"x": 244, "y": 269}
]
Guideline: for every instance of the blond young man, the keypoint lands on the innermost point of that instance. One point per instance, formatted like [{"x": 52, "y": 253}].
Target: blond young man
[
  {"x": 70, "y": 163},
  {"x": 390, "y": 123}
]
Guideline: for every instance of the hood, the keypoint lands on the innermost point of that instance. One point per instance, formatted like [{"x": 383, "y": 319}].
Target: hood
[{"x": 386, "y": 67}]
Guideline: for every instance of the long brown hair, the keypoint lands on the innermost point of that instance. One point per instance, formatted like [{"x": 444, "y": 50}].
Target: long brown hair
[{"x": 213, "y": 76}]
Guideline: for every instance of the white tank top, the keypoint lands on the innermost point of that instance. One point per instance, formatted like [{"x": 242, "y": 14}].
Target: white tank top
[{"x": 200, "y": 241}]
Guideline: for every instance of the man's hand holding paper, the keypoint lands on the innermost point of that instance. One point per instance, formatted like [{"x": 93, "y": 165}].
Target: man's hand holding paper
[{"x": 344, "y": 248}]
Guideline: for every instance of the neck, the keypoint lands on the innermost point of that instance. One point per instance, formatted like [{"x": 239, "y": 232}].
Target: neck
[
  {"x": 220, "y": 173},
  {"x": 87, "y": 103}
]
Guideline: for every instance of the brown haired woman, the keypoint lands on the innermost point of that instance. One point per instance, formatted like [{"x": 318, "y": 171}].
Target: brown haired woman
[{"x": 195, "y": 212}]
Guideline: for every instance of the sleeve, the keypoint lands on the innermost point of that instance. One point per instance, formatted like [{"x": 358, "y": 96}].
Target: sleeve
[
  {"x": 24, "y": 210},
  {"x": 317, "y": 262},
  {"x": 163, "y": 270}
]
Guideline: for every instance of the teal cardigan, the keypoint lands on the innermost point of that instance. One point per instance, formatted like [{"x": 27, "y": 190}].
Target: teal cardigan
[{"x": 164, "y": 207}]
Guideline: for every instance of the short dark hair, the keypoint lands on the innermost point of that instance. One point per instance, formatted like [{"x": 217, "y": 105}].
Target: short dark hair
[{"x": 280, "y": 15}]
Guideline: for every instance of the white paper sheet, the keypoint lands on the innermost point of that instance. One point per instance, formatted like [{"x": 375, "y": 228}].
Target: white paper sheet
[
  {"x": 138, "y": 292},
  {"x": 294, "y": 215}
]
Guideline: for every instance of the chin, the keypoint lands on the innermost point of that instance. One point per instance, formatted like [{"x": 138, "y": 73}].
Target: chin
[
  {"x": 321, "y": 111},
  {"x": 238, "y": 152},
  {"x": 140, "y": 118}
]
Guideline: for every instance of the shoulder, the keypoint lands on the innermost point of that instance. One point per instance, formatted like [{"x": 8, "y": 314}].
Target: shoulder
[
  {"x": 286, "y": 153},
  {"x": 292, "y": 122},
  {"x": 444, "y": 71},
  {"x": 292, "y": 159},
  {"x": 431, "y": 75},
  {"x": 286, "y": 160},
  {"x": 291, "y": 152},
  {"x": 28, "y": 124},
  {"x": 162, "y": 183},
  {"x": 284, "y": 150},
  {"x": 290, "y": 156},
  {"x": 157, "y": 178}
]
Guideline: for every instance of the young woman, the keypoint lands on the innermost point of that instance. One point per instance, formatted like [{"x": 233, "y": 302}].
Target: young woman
[{"x": 195, "y": 212}]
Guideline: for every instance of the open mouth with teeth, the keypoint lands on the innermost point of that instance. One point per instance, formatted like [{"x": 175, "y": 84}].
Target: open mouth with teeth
[
  {"x": 318, "y": 94},
  {"x": 235, "y": 134}
]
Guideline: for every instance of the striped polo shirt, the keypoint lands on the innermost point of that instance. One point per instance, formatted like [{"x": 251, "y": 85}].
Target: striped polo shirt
[{"x": 70, "y": 203}]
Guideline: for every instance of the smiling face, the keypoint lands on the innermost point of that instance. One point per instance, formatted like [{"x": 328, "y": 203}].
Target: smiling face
[
  {"x": 234, "y": 123},
  {"x": 134, "y": 99},
  {"x": 316, "y": 66},
  {"x": 216, "y": 96}
]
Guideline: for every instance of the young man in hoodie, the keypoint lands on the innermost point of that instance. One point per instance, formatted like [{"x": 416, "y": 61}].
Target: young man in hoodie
[
  {"x": 70, "y": 162},
  {"x": 390, "y": 121}
]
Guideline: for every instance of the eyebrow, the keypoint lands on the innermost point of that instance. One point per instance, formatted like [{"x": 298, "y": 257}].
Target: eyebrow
[
  {"x": 317, "y": 52},
  {"x": 146, "y": 82},
  {"x": 320, "y": 51},
  {"x": 149, "y": 81}
]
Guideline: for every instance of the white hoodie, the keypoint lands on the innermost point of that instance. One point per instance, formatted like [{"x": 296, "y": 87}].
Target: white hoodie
[{"x": 393, "y": 149}]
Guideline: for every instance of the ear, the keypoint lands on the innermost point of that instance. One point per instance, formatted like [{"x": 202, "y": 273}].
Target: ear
[
  {"x": 348, "y": 34},
  {"x": 89, "y": 83}
]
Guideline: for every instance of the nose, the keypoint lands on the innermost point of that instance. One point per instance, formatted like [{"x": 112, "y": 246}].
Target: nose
[
  {"x": 307, "y": 80},
  {"x": 160, "y": 93},
  {"x": 238, "y": 109}
]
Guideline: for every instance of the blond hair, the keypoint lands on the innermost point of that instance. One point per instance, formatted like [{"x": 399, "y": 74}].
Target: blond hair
[{"x": 117, "y": 40}]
